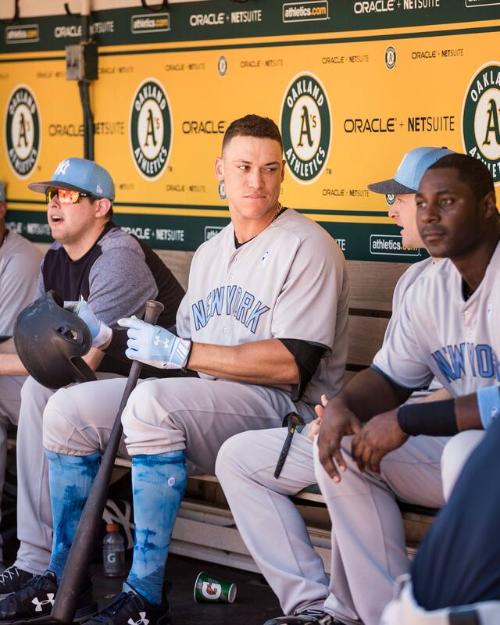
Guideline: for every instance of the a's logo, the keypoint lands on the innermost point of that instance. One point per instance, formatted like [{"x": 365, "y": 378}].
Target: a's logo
[
  {"x": 305, "y": 127},
  {"x": 390, "y": 57},
  {"x": 22, "y": 131},
  {"x": 150, "y": 129},
  {"x": 481, "y": 118},
  {"x": 39, "y": 604},
  {"x": 390, "y": 198},
  {"x": 211, "y": 590},
  {"x": 222, "y": 65}
]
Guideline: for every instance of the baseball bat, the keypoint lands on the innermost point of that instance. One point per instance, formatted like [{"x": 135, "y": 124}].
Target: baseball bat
[{"x": 77, "y": 563}]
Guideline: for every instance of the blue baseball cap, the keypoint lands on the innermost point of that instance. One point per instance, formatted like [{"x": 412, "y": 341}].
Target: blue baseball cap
[
  {"x": 2, "y": 191},
  {"x": 410, "y": 171},
  {"x": 79, "y": 174}
]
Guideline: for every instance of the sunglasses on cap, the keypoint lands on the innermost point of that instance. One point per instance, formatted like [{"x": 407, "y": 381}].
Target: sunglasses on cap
[{"x": 65, "y": 196}]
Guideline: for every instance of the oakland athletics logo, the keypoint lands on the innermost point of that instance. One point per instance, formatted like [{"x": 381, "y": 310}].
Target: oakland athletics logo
[
  {"x": 481, "y": 118},
  {"x": 150, "y": 129},
  {"x": 22, "y": 131},
  {"x": 305, "y": 126}
]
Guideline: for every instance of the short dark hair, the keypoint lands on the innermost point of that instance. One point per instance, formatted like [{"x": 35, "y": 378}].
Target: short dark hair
[
  {"x": 470, "y": 170},
  {"x": 252, "y": 126}
]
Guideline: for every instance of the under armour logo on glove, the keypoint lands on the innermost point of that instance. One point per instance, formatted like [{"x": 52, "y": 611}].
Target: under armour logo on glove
[
  {"x": 50, "y": 599},
  {"x": 154, "y": 345},
  {"x": 142, "y": 621}
]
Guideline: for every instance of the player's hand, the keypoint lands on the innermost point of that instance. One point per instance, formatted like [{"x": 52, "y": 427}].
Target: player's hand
[
  {"x": 154, "y": 345},
  {"x": 313, "y": 429},
  {"x": 101, "y": 333},
  {"x": 377, "y": 438},
  {"x": 337, "y": 421}
]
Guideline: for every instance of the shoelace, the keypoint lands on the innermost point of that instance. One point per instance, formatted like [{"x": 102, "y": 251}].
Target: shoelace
[{"x": 9, "y": 573}]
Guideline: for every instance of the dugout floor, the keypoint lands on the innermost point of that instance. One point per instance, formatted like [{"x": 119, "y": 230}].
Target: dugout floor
[{"x": 255, "y": 602}]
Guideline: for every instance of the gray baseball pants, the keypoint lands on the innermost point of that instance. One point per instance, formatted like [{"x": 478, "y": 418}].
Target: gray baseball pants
[
  {"x": 10, "y": 401},
  {"x": 455, "y": 455},
  {"x": 368, "y": 545},
  {"x": 163, "y": 415}
]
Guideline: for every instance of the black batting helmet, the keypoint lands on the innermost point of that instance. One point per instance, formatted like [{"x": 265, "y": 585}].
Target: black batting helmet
[{"x": 51, "y": 341}]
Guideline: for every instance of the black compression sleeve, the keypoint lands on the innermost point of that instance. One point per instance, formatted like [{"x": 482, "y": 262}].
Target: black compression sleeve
[
  {"x": 307, "y": 356},
  {"x": 435, "y": 418}
]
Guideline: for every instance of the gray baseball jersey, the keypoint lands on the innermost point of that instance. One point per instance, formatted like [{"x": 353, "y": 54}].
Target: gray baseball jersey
[
  {"x": 269, "y": 288},
  {"x": 458, "y": 341},
  {"x": 19, "y": 267}
]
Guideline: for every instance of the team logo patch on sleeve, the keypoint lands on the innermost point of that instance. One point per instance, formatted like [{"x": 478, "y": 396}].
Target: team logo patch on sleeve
[
  {"x": 22, "y": 131},
  {"x": 481, "y": 118},
  {"x": 305, "y": 127},
  {"x": 150, "y": 129}
]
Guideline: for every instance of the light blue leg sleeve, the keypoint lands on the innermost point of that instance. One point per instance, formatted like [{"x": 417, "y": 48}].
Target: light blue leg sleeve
[
  {"x": 158, "y": 483},
  {"x": 70, "y": 480}
]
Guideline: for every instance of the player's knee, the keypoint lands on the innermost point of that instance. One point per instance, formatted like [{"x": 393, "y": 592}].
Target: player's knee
[
  {"x": 455, "y": 454},
  {"x": 142, "y": 405},
  {"x": 31, "y": 389},
  {"x": 55, "y": 432},
  {"x": 226, "y": 463}
]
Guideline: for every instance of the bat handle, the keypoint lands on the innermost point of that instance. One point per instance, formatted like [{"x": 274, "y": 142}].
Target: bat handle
[{"x": 153, "y": 311}]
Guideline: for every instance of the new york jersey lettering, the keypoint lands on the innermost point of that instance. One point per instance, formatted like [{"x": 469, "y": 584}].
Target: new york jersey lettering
[
  {"x": 230, "y": 300},
  {"x": 467, "y": 359}
]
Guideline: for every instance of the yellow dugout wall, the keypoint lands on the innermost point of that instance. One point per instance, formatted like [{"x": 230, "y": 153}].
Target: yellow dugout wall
[{"x": 353, "y": 86}]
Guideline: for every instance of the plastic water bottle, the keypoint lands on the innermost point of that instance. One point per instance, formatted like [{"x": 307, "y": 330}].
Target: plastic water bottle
[{"x": 113, "y": 552}]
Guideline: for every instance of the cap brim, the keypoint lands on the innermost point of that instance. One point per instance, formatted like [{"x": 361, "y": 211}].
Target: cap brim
[
  {"x": 390, "y": 187},
  {"x": 41, "y": 187}
]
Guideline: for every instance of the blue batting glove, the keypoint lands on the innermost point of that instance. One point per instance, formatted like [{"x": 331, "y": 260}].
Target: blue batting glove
[
  {"x": 154, "y": 345},
  {"x": 101, "y": 333}
]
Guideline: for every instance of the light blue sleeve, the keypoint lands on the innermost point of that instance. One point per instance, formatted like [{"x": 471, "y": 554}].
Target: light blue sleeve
[{"x": 488, "y": 401}]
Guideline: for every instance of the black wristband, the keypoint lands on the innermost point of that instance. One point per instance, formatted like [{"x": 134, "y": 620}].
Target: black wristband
[{"x": 434, "y": 418}]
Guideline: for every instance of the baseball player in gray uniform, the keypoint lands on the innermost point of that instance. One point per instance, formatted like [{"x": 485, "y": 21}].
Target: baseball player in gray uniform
[
  {"x": 245, "y": 465},
  {"x": 370, "y": 447},
  {"x": 94, "y": 259},
  {"x": 19, "y": 268},
  {"x": 263, "y": 323}
]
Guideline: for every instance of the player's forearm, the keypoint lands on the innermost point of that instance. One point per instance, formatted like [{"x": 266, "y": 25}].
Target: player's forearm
[
  {"x": 368, "y": 393},
  {"x": 260, "y": 362},
  {"x": 7, "y": 347},
  {"x": 448, "y": 417},
  {"x": 10, "y": 364},
  {"x": 93, "y": 358}
]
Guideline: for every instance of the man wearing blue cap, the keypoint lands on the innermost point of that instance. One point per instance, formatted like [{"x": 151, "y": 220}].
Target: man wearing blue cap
[
  {"x": 19, "y": 267},
  {"x": 268, "y": 520},
  {"x": 94, "y": 260}
]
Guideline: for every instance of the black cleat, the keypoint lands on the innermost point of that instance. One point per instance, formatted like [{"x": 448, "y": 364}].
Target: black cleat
[
  {"x": 128, "y": 608},
  {"x": 34, "y": 601},
  {"x": 13, "y": 579},
  {"x": 308, "y": 617}
]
